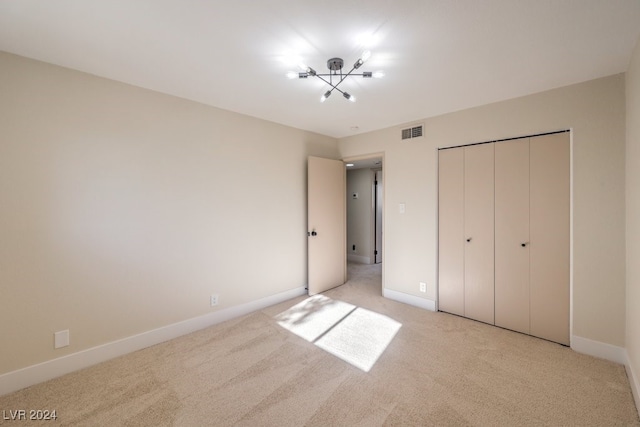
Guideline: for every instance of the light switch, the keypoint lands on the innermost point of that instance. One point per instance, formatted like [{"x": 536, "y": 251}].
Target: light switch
[{"x": 401, "y": 208}]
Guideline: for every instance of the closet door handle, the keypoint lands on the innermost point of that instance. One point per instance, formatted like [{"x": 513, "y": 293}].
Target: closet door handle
[
  {"x": 469, "y": 239},
  {"x": 524, "y": 244}
]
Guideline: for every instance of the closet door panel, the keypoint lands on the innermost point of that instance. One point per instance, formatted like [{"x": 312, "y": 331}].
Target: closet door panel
[
  {"x": 479, "y": 232},
  {"x": 450, "y": 231},
  {"x": 550, "y": 237},
  {"x": 512, "y": 232}
]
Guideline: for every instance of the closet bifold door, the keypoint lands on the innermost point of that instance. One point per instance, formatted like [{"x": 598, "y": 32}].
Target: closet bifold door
[
  {"x": 512, "y": 235},
  {"x": 450, "y": 231},
  {"x": 549, "y": 252},
  {"x": 479, "y": 232}
]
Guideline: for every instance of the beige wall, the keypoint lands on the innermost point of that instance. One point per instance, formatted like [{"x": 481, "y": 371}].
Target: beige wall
[
  {"x": 633, "y": 212},
  {"x": 595, "y": 111},
  {"x": 123, "y": 210},
  {"x": 360, "y": 213}
]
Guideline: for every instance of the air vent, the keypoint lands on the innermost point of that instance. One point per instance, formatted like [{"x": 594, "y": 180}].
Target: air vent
[{"x": 412, "y": 132}]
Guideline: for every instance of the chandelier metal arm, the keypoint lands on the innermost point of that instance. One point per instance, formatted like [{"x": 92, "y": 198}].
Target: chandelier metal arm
[
  {"x": 345, "y": 76},
  {"x": 342, "y": 78},
  {"x": 330, "y": 83}
]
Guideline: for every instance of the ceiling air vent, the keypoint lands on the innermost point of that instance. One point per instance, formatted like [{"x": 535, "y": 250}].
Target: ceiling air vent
[{"x": 412, "y": 132}]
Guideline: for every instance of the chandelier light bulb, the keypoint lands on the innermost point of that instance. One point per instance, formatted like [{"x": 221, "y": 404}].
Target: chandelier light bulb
[
  {"x": 378, "y": 74},
  {"x": 292, "y": 75},
  {"x": 349, "y": 97},
  {"x": 365, "y": 55},
  {"x": 325, "y": 96}
]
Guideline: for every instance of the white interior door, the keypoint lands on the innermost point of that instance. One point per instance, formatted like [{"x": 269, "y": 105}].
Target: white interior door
[
  {"x": 550, "y": 216},
  {"x": 327, "y": 229},
  {"x": 512, "y": 235},
  {"x": 451, "y": 231},
  {"x": 479, "y": 233}
]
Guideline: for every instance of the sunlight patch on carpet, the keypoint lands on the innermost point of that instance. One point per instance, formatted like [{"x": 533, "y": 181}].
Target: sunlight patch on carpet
[
  {"x": 353, "y": 334},
  {"x": 314, "y": 316},
  {"x": 360, "y": 338}
]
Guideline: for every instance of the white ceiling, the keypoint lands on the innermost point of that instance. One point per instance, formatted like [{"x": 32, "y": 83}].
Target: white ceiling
[{"x": 438, "y": 55}]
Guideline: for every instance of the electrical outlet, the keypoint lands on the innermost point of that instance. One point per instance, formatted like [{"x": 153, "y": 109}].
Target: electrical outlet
[
  {"x": 214, "y": 300},
  {"x": 61, "y": 339},
  {"x": 423, "y": 287}
]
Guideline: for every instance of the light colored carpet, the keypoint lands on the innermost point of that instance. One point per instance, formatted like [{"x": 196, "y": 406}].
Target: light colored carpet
[{"x": 437, "y": 369}]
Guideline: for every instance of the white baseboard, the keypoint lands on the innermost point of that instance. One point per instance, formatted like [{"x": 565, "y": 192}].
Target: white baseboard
[
  {"x": 612, "y": 353},
  {"x": 427, "y": 304},
  {"x": 359, "y": 259},
  {"x": 21, "y": 378},
  {"x": 634, "y": 380},
  {"x": 599, "y": 349}
]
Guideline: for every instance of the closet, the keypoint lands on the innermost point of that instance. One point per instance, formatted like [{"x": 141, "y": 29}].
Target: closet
[{"x": 504, "y": 234}]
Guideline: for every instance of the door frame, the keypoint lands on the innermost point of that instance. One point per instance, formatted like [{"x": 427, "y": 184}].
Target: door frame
[{"x": 374, "y": 198}]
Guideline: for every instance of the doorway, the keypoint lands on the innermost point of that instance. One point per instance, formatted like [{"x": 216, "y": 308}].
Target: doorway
[{"x": 365, "y": 210}]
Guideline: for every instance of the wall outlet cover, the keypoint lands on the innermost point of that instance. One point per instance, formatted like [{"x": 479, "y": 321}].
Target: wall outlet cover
[{"x": 61, "y": 339}]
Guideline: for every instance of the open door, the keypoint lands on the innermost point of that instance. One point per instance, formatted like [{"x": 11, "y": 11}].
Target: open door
[{"x": 326, "y": 222}]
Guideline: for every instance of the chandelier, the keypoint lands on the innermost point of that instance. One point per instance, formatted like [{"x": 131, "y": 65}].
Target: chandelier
[{"x": 335, "y": 75}]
